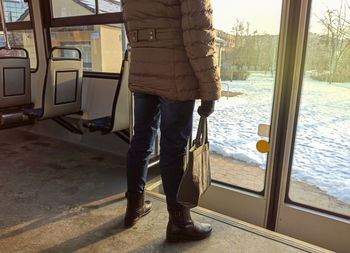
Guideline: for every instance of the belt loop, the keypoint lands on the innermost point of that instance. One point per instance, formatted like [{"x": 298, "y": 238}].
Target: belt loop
[
  {"x": 134, "y": 36},
  {"x": 152, "y": 34}
]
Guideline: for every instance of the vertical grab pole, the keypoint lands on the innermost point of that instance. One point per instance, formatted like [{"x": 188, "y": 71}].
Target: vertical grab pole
[
  {"x": 131, "y": 104},
  {"x": 131, "y": 115},
  {"x": 4, "y": 28},
  {"x": 124, "y": 39}
]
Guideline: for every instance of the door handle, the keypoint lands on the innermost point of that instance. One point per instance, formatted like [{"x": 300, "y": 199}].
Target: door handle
[{"x": 264, "y": 130}]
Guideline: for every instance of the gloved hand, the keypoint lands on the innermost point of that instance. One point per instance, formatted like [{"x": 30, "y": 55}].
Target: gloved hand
[{"x": 206, "y": 108}]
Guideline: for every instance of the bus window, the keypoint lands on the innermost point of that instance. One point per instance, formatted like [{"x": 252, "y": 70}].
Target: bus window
[
  {"x": 16, "y": 11},
  {"x": 91, "y": 27},
  {"x": 101, "y": 45},
  {"x": 23, "y": 39},
  {"x": 19, "y": 26},
  {"x": 108, "y": 6},
  {"x": 69, "y": 8}
]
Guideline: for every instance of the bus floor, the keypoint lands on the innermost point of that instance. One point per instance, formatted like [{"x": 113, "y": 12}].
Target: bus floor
[{"x": 60, "y": 197}]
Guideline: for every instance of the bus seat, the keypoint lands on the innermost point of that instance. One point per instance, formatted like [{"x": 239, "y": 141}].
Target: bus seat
[
  {"x": 15, "y": 85},
  {"x": 119, "y": 119},
  {"x": 62, "y": 92}
]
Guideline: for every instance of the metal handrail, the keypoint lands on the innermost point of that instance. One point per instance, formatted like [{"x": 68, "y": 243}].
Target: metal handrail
[
  {"x": 4, "y": 28},
  {"x": 66, "y": 48},
  {"x": 16, "y": 49}
]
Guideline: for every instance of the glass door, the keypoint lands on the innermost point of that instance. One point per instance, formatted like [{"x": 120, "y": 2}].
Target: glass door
[
  {"x": 321, "y": 160},
  {"x": 315, "y": 199},
  {"x": 247, "y": 46}
]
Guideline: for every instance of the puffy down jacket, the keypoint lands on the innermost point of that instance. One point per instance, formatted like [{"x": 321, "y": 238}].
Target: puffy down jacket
[{"x": 172, "y": 49}]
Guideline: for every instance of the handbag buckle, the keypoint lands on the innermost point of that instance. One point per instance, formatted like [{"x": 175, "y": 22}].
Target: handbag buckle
[{"x": 196, "y": 143}]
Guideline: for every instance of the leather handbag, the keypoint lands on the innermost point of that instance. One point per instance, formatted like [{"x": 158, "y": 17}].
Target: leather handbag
[{"x": 197, "y": 177}]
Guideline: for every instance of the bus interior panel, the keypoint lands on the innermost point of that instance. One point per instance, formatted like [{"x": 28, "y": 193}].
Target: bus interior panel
[{"x": 279, "y": 136}]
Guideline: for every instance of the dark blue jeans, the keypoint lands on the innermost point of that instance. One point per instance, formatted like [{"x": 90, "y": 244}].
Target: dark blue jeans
[{"x": 175, "y": 120}]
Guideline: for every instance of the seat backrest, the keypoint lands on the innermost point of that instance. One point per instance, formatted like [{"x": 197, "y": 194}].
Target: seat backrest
[
  {"x": 120, "y": 113},
  {"x": 63, "y": 85},
  {"x": 15, "y": 88}
]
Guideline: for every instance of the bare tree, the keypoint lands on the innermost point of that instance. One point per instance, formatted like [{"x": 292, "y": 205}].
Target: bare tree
[
  {"x": 245, "y": 50},
  {"x": 337, "y": 29}
]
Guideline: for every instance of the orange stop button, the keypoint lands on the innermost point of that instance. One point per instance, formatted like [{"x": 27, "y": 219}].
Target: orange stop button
[{"x": 263, "y": 146}]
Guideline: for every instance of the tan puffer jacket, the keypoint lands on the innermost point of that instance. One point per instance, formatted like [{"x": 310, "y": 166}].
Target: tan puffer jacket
[{"x": 173, "y": 44}]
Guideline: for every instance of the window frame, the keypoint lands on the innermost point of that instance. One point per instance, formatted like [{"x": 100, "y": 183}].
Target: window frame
[
  {"x": 49, "y": 21},
  {"x": 26, "y": 25}
]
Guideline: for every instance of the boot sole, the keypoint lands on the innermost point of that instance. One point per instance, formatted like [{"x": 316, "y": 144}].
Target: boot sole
[
  {"x": 181, "y": 237},
  {"x": 129, "y": 225}
]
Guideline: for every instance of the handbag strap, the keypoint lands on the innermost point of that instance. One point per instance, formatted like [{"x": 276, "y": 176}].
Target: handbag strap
[{"x": 202, "y": 131}]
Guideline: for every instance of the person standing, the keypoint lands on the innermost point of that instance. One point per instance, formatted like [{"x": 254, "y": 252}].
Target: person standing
[{"x": 173, "y": 62}]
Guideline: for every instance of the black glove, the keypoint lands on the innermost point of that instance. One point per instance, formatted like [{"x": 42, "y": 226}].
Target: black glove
[{"x": 206, "y": 108}]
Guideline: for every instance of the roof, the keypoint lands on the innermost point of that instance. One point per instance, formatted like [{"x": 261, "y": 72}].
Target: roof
[
  {"x": 109, "y": 6},
  {"x": 23, "y": 16},
  {"x": 103, "y": 5}
]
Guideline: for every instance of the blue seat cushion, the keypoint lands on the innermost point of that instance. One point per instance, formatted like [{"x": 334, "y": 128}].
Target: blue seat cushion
[
  {"x": 34, "y": 113},
  {"x": 101, "y": 124}
]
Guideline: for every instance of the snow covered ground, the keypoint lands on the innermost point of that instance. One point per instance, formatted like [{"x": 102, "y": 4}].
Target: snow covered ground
[{"x": 322, "y": 148}]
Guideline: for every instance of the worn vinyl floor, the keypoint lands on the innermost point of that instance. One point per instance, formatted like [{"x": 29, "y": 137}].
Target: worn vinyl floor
[{"x": 59, "y": 197}]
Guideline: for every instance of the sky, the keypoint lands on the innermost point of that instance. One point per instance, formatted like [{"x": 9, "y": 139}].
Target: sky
[{"x": 263, "y": 15}]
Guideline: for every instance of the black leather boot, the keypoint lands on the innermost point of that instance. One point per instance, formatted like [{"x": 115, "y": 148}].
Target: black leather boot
[
  {"x": 136, "y": 208},
  {"x": 181, "y": 226}
]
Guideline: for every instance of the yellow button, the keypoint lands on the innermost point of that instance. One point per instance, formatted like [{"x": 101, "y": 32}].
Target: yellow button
[{"x": 263, "y": 146}]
